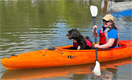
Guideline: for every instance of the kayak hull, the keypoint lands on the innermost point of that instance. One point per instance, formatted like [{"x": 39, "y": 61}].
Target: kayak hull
[{"x": 63, "y": 56}]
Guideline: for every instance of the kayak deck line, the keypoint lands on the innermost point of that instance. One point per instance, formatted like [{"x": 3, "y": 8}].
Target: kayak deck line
[
  {"x": 51, "y": 48},
  {"x": 64, "y": 56}
]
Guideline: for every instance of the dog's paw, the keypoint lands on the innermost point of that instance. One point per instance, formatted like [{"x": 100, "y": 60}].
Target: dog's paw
[{"x": 78, "y": 48}]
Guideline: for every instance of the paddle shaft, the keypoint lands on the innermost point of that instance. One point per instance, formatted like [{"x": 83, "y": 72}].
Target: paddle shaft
[{"x": 95, "y": 39}]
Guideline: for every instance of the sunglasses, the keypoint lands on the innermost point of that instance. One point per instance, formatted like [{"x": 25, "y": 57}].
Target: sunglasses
[{"x": 105, "y": 20}]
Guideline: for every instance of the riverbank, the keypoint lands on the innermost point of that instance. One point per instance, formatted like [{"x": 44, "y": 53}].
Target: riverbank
[
  {"x": 111, "y": 6},
  {"x": 119, "y": 6}
]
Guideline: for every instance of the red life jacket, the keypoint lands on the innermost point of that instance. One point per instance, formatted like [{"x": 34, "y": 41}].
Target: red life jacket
[
  {"x": 103, "y": 36},
  {"x": 75, "y": 44},
  {"x": 88, "y": 43}
]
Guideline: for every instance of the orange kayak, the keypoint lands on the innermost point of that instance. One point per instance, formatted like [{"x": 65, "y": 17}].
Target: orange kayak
[
  {"x": 53, "y": 73},
  {"x": 63, "y": 56}
]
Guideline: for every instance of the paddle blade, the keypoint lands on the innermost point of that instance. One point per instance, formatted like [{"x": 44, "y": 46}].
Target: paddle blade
[
  {"x": 96, "y": 70},
  {"x": 94, "y": 11}
]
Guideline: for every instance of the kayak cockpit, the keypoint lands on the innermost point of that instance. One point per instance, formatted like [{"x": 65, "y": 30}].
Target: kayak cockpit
[{"x": 120, "y": 45}]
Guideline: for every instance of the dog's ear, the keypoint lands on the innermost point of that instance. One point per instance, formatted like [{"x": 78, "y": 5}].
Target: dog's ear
[
  {"x": 77, "y": 31},
  {"x": 74, "y": 29},
  {"x": 70, "y": 31}
]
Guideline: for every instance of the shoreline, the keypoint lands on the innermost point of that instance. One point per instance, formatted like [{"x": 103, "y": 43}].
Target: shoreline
[{"x": 119, "y": 6}]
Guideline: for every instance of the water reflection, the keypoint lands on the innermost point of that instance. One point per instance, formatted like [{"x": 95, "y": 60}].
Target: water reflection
[
  {"x": 109, "y": 71},
  {"x": 34, "y": 24}
]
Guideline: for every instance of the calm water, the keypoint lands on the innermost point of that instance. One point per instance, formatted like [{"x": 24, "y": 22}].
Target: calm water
[{"x": 28, "y": 25}]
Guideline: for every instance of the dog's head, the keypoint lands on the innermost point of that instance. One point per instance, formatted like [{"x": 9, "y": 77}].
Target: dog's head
[{"x": 73, "y": 34}]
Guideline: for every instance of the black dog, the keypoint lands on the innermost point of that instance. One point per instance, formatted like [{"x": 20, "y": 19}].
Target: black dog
[{"x": 79, "y": 42}]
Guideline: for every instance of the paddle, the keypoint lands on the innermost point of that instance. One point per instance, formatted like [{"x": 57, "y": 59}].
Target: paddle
[{"x": 96, "y": 70}]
